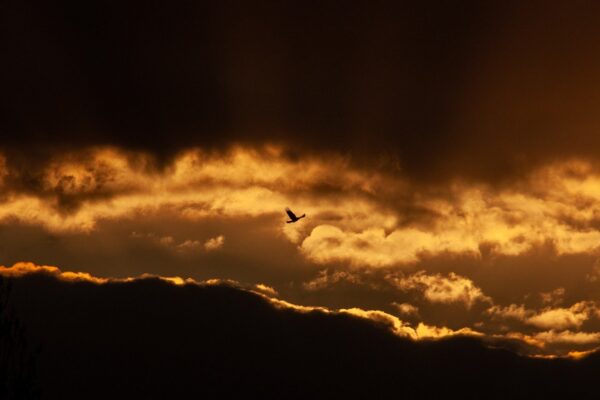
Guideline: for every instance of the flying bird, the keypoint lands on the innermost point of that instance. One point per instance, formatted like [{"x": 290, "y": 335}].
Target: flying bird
[{"x": 292, "y": 216}]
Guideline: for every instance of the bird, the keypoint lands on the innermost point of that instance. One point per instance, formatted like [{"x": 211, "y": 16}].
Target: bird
[{"x": 292, "y": 216}]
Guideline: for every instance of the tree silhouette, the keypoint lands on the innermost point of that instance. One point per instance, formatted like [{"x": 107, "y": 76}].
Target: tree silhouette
[{"x": 17, "y": 360}]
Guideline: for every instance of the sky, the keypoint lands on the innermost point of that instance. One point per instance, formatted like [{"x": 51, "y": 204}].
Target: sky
[{"x": 445, "y": 156}]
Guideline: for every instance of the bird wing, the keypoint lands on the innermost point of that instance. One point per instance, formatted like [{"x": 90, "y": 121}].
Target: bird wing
[{"x": 290, "y": 213}]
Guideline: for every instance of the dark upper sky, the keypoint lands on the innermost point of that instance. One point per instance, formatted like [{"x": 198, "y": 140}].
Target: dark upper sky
[{"x": 471, "y": 88}]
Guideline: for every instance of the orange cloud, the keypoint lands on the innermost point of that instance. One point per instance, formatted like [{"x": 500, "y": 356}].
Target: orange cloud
[
  {"x": 373, "y": 247},
  {"x": 518, "y": 312},
  {"x": 396, "y": 325},
  {"x": 553, "y": 297},
  {"x": 424, "y": 331},
  {"x": 361, "y": 217},
  {"x": 441, "y": 289},
  {"x": 21, "y": 269},
  {"x": 406, "y": 308},
  {"x": 568, "y": 337},
  {"x": 266, "y": 289},
  {"x": 553, "y": 205},
  {"x": 548, "y": 318},
  {"x": 106, "y": 183},
  {"x": 561, "y": 318},
  {"x": 24, "y": 268},
  {"x": 214, "y": 243},
  {"x": 326, "y": 279},
  {"x": 186, "y": 246}
]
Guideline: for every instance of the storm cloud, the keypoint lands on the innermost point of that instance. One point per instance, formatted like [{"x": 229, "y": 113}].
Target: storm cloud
[{"x": 437, "y": 89}]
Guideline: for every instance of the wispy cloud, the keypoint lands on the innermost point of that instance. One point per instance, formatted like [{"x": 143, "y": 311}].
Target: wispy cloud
[{"x": 214, "y": 243}]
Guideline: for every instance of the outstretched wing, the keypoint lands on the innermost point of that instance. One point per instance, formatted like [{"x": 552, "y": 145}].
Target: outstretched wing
[{"x": 291, "y": 214}]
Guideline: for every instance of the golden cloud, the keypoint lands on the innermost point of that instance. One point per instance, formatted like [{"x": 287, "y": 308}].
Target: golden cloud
[
  {"x": 106, "y": 183},
  {"x": 326, "y": 279},
  {"x": 437, "y": 288},
  {"x": 401, "y": 328},
  {"x": 406, "y": 308},
  {"x": 557, "y": 204},
  {"x": 424, "y": 331},
  {"x": 24, "y": 268},
  {"x": 361, "y": 217},
  {"x": 214, "y": 243},
  {"x": 553, "y": 297},
  {"x": 518, "y": 312},
  {"x": 21, "y": 269},
  {"x": 568, "y": 337},
  {"x": 548, "y": 318},
  {"x": 561, "y": 318},
  {"x": 373, "y": 247}
]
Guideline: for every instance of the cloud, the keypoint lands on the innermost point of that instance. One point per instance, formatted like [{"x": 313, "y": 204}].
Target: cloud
[
  {"x": 189, "y": 245},
  {"x": 215, "y": 243},
  {"x": 185, "y": 246},
  {"x": 594, "y": 274},
  {"x": 266, "y": 289},
  {"x": 562, "y": 318},
  {"x": 327, "y": 279},
  {"x": 568, "y": 337},
  {"x": 437, "y": 288},
  {"x": 25, "y": 268},
  {"x": 364, "y": 217},
  {"x": 406, "y": 309},
  {"x": 401, "y": 328},
  {"x": 374, "y": 248},
  {"x": 467, "y": 219},
  {"x": 518, "y": 312},
  {"x": 393, "y": 323},
  {"x": 113, "y": 184},
  {"x": 548, "y": 318},
  {"x": 553, "y": 297},
  {"x": 22, "y": 269},
  {"x": 424, "y": 331}
]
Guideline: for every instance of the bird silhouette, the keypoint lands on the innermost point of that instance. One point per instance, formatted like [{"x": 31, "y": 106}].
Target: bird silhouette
[{"x": 292, "y": 216}]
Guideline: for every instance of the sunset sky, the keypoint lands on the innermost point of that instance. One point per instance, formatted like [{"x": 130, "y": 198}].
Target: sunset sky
[{"x": 445, "y": 156}]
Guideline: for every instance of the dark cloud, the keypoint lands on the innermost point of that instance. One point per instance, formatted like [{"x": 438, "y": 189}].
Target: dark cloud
[
  {"x": 474, "y": 89},
  {"x": 157, "y": 340}
]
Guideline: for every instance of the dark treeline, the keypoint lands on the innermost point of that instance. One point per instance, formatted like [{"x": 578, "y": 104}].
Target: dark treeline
[{"x": 148, "y": 339}]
